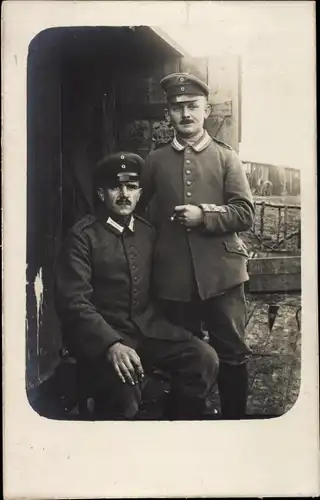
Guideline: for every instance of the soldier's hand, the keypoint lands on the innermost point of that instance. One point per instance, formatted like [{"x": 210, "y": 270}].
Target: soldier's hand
[
  {"x": 189, "y": 215},
  {"x": 126, "y": 363}
]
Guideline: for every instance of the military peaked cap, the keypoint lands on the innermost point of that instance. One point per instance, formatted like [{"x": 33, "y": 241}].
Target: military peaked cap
[
  {"x": 118, "y": 167},
  {"x": 180, "y": 84}
]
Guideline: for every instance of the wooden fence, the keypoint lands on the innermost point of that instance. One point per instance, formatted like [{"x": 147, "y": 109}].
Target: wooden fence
[
  {"x": 275, "y": 244},
  {"x": 283, "y": 232}
]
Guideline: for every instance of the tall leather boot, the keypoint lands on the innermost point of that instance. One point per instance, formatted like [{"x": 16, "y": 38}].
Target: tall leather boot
[{"x": 233, "y": 390}]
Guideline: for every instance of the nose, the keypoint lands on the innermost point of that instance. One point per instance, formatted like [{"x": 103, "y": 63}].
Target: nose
[
  {"x": 185, "y": 112},
  {"x": 123, "y": 190}
]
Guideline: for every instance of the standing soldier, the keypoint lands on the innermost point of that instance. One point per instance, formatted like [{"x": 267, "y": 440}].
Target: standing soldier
[{"x": 199, "y": 199}]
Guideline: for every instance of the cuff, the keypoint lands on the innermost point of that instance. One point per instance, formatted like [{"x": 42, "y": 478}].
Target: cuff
[
  {"x": 212, "y": 208},
  {"x": 117, "y": 341}
]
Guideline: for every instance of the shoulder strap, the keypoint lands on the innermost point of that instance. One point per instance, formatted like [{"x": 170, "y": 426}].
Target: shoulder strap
[
  {"x": 224, "y": 144},
  {"x": 84, "y": 222},
  {"x": 141, "y": 219}
]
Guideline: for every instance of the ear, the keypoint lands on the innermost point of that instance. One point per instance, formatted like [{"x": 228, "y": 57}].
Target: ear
[
  {"x": 167, "y": 115},
  {"x": 139, "y": 194},
  {"x": 207, "y": 110},
  {"x": 100, "y": 194}
]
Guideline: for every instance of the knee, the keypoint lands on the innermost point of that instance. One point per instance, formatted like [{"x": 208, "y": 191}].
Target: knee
[
  {"x": 207, "y": 362},
  {"x": 211, "y": 361}
]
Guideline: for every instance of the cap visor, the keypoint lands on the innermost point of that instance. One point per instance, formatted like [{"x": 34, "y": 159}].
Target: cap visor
[
  {"x": 185, "y": 98},
  {"x": 127, "y": 177}
]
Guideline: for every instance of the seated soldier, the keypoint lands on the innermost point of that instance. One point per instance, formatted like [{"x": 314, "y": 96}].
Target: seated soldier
[{"x": 110, "y": 322}]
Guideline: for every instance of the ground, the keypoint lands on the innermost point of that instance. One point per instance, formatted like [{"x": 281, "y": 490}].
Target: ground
[{"x": 274, "y": 370}]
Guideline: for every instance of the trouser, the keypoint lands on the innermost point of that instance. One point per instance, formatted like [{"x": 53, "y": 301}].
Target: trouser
[
  {"x": 225, "y": 319},
  {"x": 192, "y": 364}
]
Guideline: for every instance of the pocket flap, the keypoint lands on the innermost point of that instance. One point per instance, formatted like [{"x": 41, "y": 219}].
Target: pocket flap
[{"x": 236, "y": 247}]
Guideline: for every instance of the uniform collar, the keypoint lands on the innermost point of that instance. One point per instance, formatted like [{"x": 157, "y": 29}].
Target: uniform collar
[
  {"x": 198, "y": 146},
  {"x": 118, "y": 227}
]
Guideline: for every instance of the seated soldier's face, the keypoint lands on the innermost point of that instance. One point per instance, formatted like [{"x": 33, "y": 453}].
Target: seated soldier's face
[{"x": 122, "y": 197}]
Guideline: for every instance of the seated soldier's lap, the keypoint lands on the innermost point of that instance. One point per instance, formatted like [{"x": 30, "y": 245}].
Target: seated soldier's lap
[{"x": 192, "y": 364}]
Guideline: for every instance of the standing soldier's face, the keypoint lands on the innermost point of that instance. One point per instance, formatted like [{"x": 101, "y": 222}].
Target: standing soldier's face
[
  {"x": 188, "y": 116},
  {"x": 121, "y": 198}
]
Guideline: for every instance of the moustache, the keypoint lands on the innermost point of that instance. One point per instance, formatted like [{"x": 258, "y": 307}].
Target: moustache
[
  {"x": 123, "y": 201},
  {"x": 186, "y": 122}
]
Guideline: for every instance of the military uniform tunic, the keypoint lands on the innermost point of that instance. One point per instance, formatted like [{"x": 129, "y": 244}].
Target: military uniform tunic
[
  {"x": 212, "y": 258},
  {"x": 103, "y": 287}
]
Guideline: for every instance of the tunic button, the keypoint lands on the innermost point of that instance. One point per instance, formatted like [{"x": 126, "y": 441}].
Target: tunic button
[
  {"x": 187, "y": 162},
  {"x": 188, "y": 229},
  {"x": 188, "y": 150},
  {"x": 188, "y": 172},
  {"x": 135, "y": 291},
  {"x": 189, "y": 194},
  {"x": 135, "y": 278},
  {"x": 134, "y": 267},
  {"x": 188, "y": 183}
]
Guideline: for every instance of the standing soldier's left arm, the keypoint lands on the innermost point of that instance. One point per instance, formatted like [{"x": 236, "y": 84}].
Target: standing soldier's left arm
[{"x": 237, "y": 212}]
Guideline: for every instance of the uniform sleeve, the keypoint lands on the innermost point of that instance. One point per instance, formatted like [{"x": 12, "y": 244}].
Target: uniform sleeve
[
  {"x": 85, "y": 329},
  {"x": 147, "y": 186},
  {"x": 237, "y": 213}
]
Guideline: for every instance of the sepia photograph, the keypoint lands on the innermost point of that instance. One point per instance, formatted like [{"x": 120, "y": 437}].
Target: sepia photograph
[
  {"x": 158, "y": 264},
  {"x": 160, "y": 249}
]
